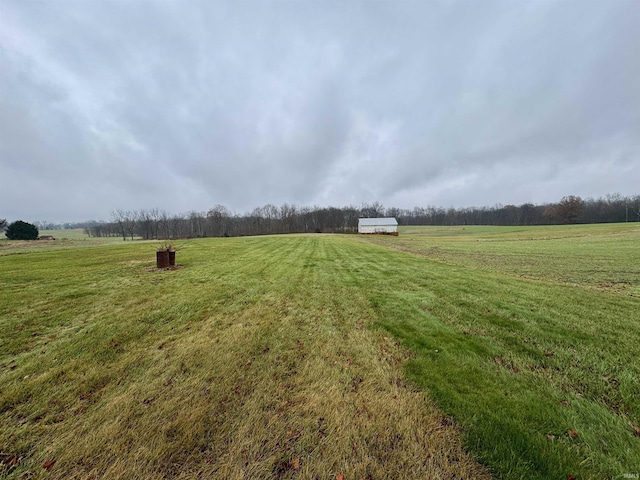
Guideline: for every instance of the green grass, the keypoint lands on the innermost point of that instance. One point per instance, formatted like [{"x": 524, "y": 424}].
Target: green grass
[
  {"x": 67, "y": 234},
  {"x": 522, "y": 363},
  {"x": 254, "y": 360},
  {"x": 79, "y": 234},
  {"x": 64, "y": 240},
  {"x": 605, "y": 257},
  {"x": 277, "y": 357}
]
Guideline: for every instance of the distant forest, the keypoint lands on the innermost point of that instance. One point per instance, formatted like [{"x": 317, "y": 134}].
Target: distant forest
[{"x": 271, "y": 219}]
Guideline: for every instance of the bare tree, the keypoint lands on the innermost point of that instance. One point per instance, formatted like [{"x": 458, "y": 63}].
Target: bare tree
[
  {"x": 130, "y": 220},
  {"x": 271, "y": 216},
  {"x": 164, "y": 225},
  {"x": 118, "y": 217},
  {"x": 287, "y": 213},
  {"x": 146, "y": 224},
  {"x": 154, "y": 213},
  {"x": 196, "y": 224},
  {"x": 551, "y": 214},
  {"x": 176, "y": 231},
  {"x": 569, "y": 209},
  {"x": 373, "y": 210},
  {"x": 218, "y": 219}
]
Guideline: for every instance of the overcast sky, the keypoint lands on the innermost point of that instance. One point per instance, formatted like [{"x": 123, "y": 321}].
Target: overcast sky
[{"x": 183, "y": 105}]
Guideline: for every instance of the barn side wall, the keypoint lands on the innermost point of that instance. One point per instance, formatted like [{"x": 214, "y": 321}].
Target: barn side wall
[{"x": 379, "y": 229}]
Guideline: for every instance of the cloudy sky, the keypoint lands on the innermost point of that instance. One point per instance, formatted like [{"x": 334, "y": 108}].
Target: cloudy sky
[{"x": 183, "y": 105}]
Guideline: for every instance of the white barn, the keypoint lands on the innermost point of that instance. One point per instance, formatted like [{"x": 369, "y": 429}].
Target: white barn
[{"x": 381, "y": 226}]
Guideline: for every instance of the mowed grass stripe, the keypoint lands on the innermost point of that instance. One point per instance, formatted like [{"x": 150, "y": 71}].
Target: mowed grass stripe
[
  {"x": 602, "y": 257},
  {"x": 543, "y": 377},
  {"x": 252, "y": 361}
]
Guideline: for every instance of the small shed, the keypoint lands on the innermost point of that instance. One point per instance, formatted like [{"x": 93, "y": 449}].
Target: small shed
[{"x": 380, "y": 226}]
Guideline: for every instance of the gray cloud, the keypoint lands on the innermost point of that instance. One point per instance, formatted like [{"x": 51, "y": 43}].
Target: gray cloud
[{"x": 183, "y": 105}]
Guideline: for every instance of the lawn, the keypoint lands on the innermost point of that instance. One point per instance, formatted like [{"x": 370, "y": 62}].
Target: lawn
[
  {"x": 604, "y": 257},
  {"x": 528, "y": 337},
  {"x": 322, "y": 356},
  {"x": 253, "y": 360},
  {"x": 64, "y": 239},
  {"x": 67, "y": 234}
]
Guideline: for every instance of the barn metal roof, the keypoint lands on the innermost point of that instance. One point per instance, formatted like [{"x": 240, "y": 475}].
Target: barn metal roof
[{"x": 368, "y": 222}]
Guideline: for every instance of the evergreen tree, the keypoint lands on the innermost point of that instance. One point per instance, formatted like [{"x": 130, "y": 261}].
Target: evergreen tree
[{"x": 22, "y": 231}]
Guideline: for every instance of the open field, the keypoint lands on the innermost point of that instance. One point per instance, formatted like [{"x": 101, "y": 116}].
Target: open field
[
  {"x": 252, "y": 361},
  {"x": 605, "y": 257},
  {"x": 67, "y": 234},
  {"x": 64, "y": 239},
  {"x": 529, "y": 337},
  {"x": 79, "y": 234},
  {"x": 313, "y": 356}
]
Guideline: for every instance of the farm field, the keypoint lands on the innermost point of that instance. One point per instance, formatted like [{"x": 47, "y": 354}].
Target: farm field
[
  {"x": 459, "y": 352},
  {"x": 67, "y": 234},
  {"x": 605, "y": 257},
  {"x": 78, "y": 234},
  {"x": 64, "y": 239}
]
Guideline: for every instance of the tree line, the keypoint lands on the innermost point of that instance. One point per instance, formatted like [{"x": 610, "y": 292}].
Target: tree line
[{"x": 219, "y": 221}]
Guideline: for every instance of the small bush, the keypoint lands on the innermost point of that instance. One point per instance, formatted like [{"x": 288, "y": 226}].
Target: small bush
[{"x": 22, "y": 231}]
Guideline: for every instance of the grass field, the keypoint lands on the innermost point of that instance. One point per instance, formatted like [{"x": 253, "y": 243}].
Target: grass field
[
  {"x": 325, "y": 356},
  {"x": 67, "y": 234},
  {"x": 605, "y": 257},
  {"x": 64, "y": 239}
]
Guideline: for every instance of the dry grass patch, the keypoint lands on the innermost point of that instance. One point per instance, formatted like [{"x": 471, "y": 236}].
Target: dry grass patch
[{"x": 267, "y": 397}]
